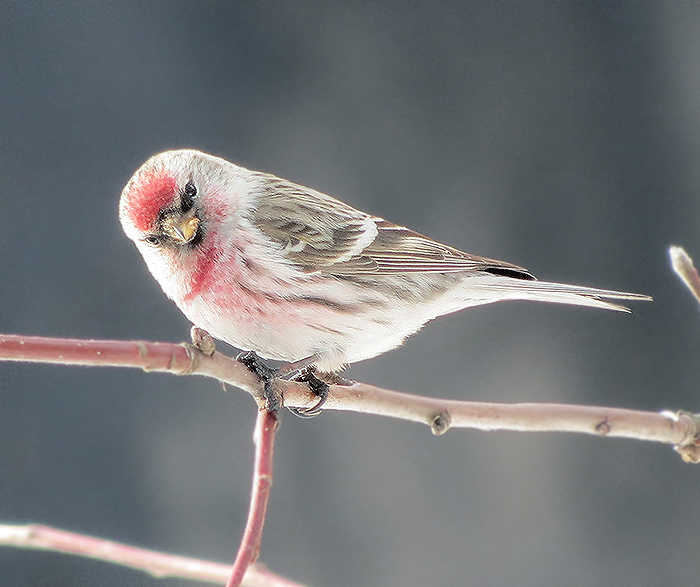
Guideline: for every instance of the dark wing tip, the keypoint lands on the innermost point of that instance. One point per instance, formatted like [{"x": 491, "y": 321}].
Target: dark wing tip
[{"x": 510, "y": 272}]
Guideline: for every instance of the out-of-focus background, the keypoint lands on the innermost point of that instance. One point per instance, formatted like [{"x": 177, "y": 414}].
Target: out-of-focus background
[{"x": 559, "y": 136}]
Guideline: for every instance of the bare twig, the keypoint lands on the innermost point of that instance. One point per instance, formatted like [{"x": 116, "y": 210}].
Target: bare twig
[
  {"x": 680, "y": 429},
  {"x": 683, "y": 266},
  {"x": 157, "y": 564},
  {"x": 177, "y": 359},
  {"x": 265, "y": 427}
]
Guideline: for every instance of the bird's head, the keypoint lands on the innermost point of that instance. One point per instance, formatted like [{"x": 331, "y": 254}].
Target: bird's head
[
  {"x": 173, "y": 208},
  {"x": 163, "y": 205}
]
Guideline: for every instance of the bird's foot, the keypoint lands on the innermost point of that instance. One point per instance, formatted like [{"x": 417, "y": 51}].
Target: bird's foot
[
  {"x": 318, "y": 387},
  {"x": 271, "y": 395}
]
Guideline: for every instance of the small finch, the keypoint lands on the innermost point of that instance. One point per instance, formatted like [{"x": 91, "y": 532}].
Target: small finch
[{"x": 292, "y": 274}]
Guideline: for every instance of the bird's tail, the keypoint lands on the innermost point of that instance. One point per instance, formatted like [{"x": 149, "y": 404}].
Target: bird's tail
[{"x": 560, "y": 293}]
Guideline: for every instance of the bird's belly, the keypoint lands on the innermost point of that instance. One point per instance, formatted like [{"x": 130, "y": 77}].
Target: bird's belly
[
  {"x": 336, "y": 321},
  {"x": 294, "y": 329}
]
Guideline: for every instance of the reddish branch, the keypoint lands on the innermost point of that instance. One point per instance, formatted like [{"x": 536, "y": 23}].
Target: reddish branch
[
  {"x": 157, "y": 564},
  {"x": 249, "y": 549},
  {"x": 439, "y": 414},
  {"x": 679, "y": 429}
]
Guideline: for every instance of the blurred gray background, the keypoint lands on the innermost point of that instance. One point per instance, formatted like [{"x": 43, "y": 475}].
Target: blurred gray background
[{"x": 561, "y": 136}]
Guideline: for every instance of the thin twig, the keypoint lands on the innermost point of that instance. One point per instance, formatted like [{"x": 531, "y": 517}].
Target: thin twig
[
  {"x": 177, "y": 359},
  {"x": 680, "y": 429},
  {"x": 265, "y": 427},
  {"x": 683, "y": 266},
  {"x": 155, "y": 563}
]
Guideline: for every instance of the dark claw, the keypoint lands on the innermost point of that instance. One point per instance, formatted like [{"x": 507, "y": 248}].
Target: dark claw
[
  {"x": 320, "y": 389},
  {"x": 273, "y": 398}
]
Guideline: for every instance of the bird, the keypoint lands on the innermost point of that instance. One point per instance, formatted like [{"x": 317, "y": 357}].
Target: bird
[{"x": 294, "y": 275}]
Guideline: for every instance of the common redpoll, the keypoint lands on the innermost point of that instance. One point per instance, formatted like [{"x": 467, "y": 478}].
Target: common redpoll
[{"x": 270, "y": 266}]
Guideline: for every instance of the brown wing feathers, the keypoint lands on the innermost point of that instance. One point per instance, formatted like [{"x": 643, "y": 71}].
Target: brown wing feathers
[{"x": 320, "y": 233}]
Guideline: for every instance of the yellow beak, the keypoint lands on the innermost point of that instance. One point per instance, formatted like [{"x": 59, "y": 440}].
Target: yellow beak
[{"x": 186, "y": 229}]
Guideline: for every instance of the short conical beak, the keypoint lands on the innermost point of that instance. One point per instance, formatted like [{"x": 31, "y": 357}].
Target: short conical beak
[{"x": 186, "y": 230}]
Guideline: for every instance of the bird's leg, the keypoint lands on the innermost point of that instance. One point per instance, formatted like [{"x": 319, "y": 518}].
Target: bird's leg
[
  {"x": 290, "y": 369},
  {"x": 272, "y": 397},
  {"x": 318, "y": 387}
]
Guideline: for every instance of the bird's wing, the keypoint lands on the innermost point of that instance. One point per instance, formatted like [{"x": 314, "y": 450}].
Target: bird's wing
[{"x": 322, "y": 234}]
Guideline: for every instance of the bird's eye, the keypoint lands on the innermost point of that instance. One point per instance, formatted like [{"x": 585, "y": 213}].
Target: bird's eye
[
  {"x": 152, "y": 239},
  {"x": 187, "y": 196}
]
